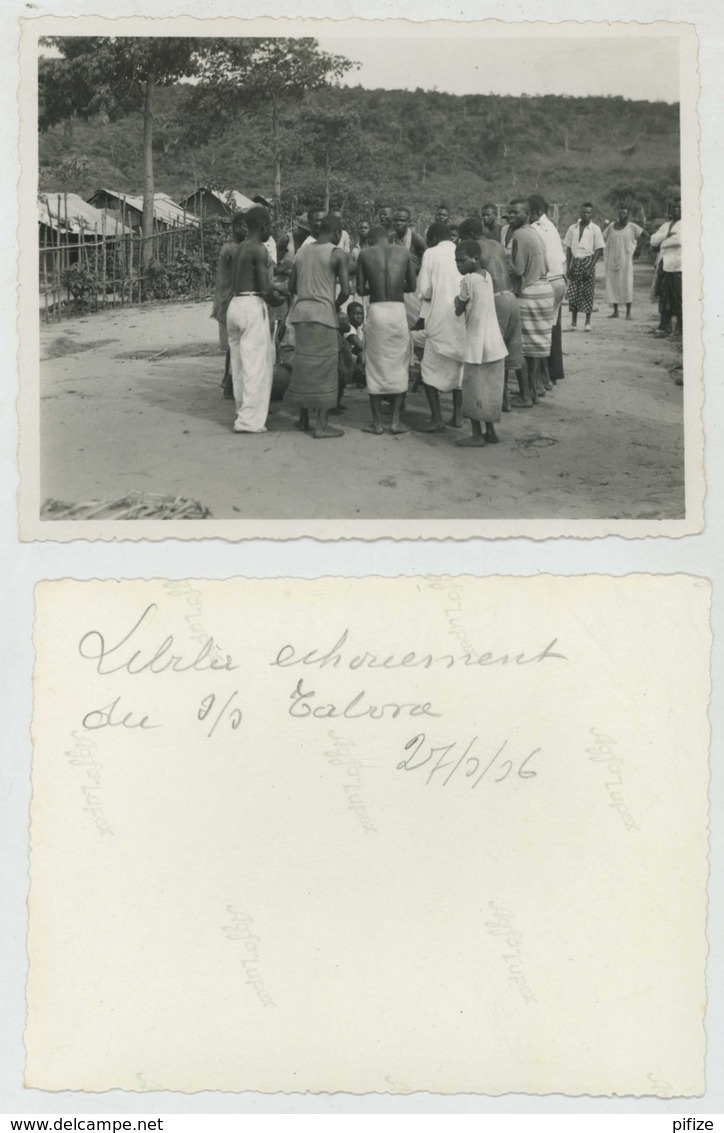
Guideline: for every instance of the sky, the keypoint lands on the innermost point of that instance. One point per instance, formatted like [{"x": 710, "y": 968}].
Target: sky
[{"x": 634, "y": 67}]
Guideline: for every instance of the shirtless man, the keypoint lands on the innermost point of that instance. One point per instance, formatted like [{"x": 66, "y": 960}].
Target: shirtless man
[
  {"x": 224, "y": 292},
  {"x": 247, "y": 321},
  {"x": 385, "y": 272},
  {"x": 315, "y": 217}
]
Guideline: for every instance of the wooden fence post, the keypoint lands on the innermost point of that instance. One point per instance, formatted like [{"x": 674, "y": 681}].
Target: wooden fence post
[
  {"x": 103, "y": 260},
  {"x": 58, "y": 266},
  {"x": 130, "y": 267},
  {"x": 45, "y": 276}
]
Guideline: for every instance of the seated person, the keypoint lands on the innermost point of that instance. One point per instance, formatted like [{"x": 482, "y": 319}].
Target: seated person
[
  {"x": 355, "y": 337},
  {"x": 346, "y": 362}
]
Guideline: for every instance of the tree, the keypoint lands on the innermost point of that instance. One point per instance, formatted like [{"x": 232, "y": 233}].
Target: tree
[
  {"x": 115, "y": 76},
  {"x": 246, "y": 73},
  {"x": 333, "y": 139}
]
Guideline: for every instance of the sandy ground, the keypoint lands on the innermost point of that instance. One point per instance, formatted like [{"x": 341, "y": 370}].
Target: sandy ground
[{"x": 607, "y": 443}]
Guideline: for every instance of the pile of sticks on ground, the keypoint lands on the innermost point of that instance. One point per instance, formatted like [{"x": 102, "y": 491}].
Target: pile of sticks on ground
[{"x": 135, "y": 505}]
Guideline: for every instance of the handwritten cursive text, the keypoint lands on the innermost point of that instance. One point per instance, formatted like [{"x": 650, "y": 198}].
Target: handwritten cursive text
[{"x": 154, "y": 658}]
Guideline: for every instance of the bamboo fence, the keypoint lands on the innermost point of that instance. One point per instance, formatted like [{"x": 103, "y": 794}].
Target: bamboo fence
[{"x": 95, "y": 268}]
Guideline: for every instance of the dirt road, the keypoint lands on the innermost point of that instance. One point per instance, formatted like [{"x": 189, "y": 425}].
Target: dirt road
[{"x": 607, "y": 443}]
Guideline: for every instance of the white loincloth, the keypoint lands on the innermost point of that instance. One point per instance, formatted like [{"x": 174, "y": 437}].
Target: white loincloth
[
  {"x": 439, "y": 370},
  {"x": 387, "y": 348},
  {"x": 252, "y": 361}
]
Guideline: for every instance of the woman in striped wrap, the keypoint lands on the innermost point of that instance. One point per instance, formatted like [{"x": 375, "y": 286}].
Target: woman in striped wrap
[{"x": 536, "y": 301}]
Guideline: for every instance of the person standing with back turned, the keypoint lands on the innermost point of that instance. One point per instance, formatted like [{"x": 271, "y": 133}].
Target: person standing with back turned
[
  {"x": 385, "y": 272},
  {"x": 442, "y": 361},
  {"x": 247, "y": 322},
  {"x": 318, "y": 268}
]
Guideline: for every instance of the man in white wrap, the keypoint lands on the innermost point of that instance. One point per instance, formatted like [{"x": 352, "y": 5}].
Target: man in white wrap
[
  {"x": 442, "y": 362},
  {"x": 385, "y": 273},
  {"x": 485, "y": 350}
]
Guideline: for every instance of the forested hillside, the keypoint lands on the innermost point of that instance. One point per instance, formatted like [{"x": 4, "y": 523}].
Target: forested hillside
[{"x": 417, "y": 147}]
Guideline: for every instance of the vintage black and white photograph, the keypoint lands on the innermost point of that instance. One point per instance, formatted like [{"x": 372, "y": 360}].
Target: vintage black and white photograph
[{"x": 376, "y": 275}]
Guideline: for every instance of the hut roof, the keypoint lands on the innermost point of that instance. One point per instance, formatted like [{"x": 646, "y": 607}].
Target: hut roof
[
  {"x": 81, "y": 215},
  {"x": 240, "y": 200},
  {"x": 165, "y": 208}
]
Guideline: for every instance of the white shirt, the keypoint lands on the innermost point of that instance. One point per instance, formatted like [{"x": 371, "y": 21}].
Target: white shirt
[
  {"x": 587, "y": 243},
  {"x": 670, "y": 244},
  {"x": 271, "y": 247},
  {"x": 438, "y": 286},
  {"x": 555, "y": 254}
]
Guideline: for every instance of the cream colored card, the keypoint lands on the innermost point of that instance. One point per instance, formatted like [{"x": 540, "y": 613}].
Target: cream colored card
[{"x": 370, "y": 835}]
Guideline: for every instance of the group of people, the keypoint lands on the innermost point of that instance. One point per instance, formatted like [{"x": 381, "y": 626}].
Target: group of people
[{"x": 458, "y": 311}]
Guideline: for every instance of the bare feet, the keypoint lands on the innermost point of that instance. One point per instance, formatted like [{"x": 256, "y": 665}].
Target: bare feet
[
  {"x": 520, "y": 403},
  {"x": 323, "y": 431},
  {"x": 471, "y": 442},
  {"x": 615, "y": 315},
  {"x": 376, "y": 429},
  {"x": 399, "y": 428},
  {"x": 454, "y": 423},
  {"x": 303, "y": 426},
  {"x": 434, "y": 427},
  {"x": 629, "y": 318}
]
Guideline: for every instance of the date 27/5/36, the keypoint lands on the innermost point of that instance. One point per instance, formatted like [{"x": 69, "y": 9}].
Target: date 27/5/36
[{"x": 443, "y": 761}]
